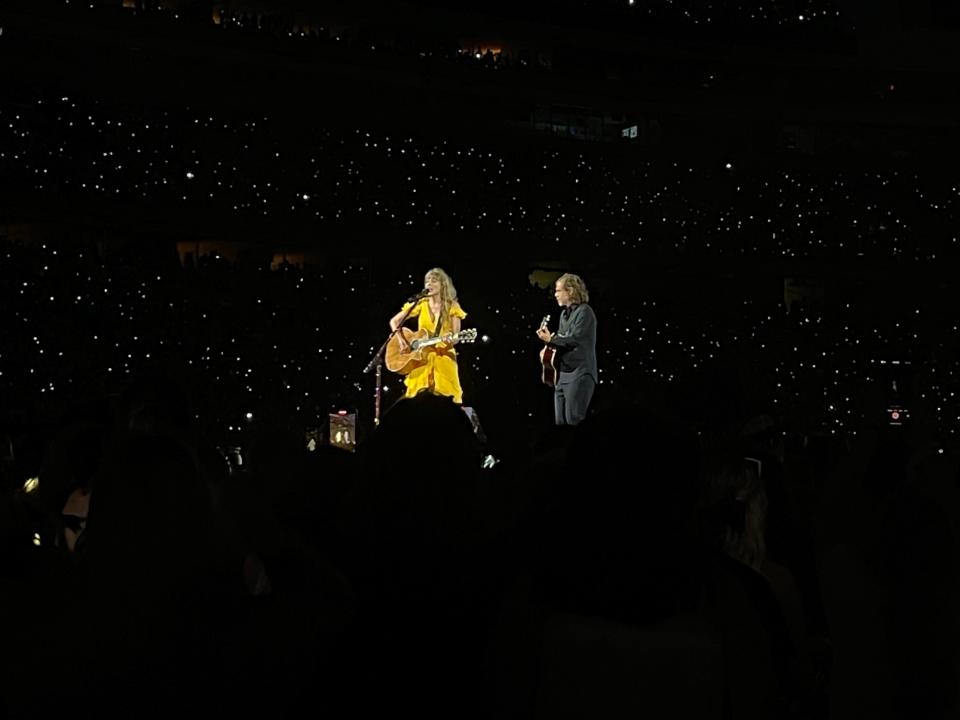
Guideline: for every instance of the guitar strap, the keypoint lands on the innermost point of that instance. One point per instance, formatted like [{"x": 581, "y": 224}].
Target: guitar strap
[{"x": 438, "y": 323}]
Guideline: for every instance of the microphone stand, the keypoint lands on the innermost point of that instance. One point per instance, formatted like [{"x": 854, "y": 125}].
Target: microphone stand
[{"x": 376, "y": 362}]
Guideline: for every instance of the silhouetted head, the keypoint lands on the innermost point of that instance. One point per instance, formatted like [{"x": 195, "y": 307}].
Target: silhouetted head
[
  {"x": 420, "y": 477},
  {"x": 619, "y": 536},
  {"x": 154, "y": 404}
]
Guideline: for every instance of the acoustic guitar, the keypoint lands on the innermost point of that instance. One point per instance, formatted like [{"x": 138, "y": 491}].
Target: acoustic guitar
[
  {"x": 548, "y": 372},
  {"x": 403, "y": 357}
]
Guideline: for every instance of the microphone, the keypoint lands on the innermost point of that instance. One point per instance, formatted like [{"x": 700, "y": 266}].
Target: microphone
[{"x": 419, "y": 296}]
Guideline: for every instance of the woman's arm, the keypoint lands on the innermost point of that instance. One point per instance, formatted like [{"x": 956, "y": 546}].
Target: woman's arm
[
  {"x": 455, "y": 326},
  {"x": 397, "y": 319}
]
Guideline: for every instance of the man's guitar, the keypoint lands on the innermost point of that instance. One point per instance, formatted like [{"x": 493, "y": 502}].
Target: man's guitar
[
  {"x": 405, "y": 349},
  {"x": 548, "y": 374}
]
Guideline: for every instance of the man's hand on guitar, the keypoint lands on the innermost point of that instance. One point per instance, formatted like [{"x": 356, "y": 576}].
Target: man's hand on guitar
[{"x": 544, "y": 334}]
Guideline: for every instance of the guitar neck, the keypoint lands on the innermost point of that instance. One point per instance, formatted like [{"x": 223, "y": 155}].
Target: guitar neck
[
  {"x": 466, "y": 336},
  {"x": 435, "y": 340}
]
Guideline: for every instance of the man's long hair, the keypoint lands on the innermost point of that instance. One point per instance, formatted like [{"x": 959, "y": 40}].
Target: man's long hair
[{"x": 576, "y": 286}]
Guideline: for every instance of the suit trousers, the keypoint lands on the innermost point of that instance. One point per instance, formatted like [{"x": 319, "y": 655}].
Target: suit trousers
[{"x": 571, "y": 399}]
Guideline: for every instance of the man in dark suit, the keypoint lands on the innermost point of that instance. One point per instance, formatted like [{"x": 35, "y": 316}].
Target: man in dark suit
[{"x": 576, "y": 345}]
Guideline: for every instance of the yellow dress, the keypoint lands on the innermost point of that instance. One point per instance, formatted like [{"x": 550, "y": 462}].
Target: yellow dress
[{"x": 439, "y": 374}]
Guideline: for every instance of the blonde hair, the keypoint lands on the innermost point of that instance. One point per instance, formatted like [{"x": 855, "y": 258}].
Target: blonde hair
[
  {"x": 576, "y": 286},
  {"x": 448, "y": 293},
  {"x": 736, "y": 503}
]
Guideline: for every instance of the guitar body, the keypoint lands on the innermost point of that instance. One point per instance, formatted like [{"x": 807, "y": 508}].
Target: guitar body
[
  {"x": 400, "y": 356},
  {"x": 548, "y": 371},
  {"x": 405, "y": 356}
]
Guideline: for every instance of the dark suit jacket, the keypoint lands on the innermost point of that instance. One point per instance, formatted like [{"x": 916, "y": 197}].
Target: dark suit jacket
[{"x": 576, "y": 340}]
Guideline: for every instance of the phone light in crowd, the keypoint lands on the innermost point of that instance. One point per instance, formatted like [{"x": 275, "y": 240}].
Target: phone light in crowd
[
  {"x": 897, "y": 415},
  {"x": 30, "y": 485},
  {"x": 343, "y": 430},
  {"x": 313, "y": 436},
  {"x": 36, "y": 539},
  {"x": 249, "y": 416},
  {"x": 233, "y": 455}
]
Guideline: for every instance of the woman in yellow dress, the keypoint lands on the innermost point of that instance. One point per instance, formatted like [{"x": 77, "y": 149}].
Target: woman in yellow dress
[{"x": 439, "y": 372}]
